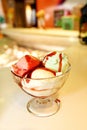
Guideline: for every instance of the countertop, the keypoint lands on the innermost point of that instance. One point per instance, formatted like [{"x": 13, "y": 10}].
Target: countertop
[{"x": 73, "y": 111}]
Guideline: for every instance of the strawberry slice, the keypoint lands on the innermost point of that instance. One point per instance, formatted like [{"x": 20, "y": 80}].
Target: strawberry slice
[{"x": 24, "y": 65}]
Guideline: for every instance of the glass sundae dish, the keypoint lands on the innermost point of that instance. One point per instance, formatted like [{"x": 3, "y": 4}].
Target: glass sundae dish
[{"x": 42, "y": 79}]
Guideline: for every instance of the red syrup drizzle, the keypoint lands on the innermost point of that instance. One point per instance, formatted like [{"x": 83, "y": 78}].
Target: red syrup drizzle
[
  {"x": 57, "y": 100},
  {"x": 49, "y": 55},
  {"x": 60, "y": 63},
  {"x": 27, "y": 80},
  {"x": 34, "y": 89}
]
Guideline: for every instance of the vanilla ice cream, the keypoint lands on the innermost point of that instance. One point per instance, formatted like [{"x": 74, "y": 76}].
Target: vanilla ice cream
[{"x": 40, "y": 82}]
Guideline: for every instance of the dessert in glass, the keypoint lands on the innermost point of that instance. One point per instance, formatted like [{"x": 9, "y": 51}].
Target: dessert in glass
[{"x": 42, "y": 79}]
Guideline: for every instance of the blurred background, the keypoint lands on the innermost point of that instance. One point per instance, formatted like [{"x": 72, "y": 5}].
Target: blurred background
[{"x": 37, "y": 13}]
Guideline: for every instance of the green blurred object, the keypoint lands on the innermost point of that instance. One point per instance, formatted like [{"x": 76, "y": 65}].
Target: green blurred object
[
  {"x": 2, "y": 20},
  {"x": 70, "y": 22}
]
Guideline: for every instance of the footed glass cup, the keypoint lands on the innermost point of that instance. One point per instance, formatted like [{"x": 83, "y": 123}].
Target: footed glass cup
[{"x": 44, "y": 92}]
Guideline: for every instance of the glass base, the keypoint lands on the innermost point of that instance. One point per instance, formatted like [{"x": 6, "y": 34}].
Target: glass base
[{"x": 43, "y": 107}]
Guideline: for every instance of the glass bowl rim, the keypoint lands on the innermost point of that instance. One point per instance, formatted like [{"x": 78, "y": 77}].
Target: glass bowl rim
[{"x": 61, "y": 75}]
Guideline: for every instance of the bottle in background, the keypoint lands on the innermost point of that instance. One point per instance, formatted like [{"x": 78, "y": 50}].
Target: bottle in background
[{"x": 83, "y": 25}]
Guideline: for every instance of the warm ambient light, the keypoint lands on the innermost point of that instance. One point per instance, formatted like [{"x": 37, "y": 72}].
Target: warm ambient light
[{"x": 28, "y": 12}]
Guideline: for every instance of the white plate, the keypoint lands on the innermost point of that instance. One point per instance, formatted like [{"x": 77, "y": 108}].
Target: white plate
[{"x": 53, "y": 39}]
